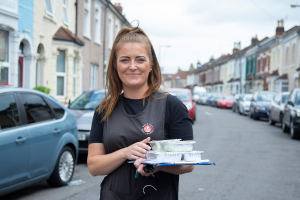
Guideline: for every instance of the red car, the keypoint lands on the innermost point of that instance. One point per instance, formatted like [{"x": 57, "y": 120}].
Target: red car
[
  {"x": 185, "y": 95},
  {"x": 226, "y": 101}
]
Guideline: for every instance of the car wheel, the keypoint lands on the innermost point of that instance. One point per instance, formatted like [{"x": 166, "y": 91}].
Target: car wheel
[
  {"x": 294, "y": 135},
  {"x": 64, "y": 168},
  {"x": 284, "y": 128},
  {"x": 271, "y": 122}
]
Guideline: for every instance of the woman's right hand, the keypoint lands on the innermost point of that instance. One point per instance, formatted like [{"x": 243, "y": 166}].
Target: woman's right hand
[{"x": 137, "y": 150}]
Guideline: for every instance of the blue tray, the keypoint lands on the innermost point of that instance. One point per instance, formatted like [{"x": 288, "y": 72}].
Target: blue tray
[{"x": 202, "y": 162}]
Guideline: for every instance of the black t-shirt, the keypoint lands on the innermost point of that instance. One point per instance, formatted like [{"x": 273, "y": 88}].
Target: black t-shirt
[{"x": 178, "y": 124}]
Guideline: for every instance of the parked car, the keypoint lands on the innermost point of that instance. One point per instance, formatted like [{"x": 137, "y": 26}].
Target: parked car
[
  {"x": 244, "y": 104},
  {"x": 38, "y": 140},
  {"x": 215, "y": 99},
  {"x": 291, "y": 114},
  {"x": 185, "y": 96},
  {"x": 203, "y": 98},
  {"x": 210, "y": 98},
  {"x": 260, "y": 103},
  {"x": 236, "y": 104},
  {"x": 84, "y": 107},
  {"x": 276, "y": 108},
  {"x": 196, "y": 97},
  {"x": 226, "y": 101}
]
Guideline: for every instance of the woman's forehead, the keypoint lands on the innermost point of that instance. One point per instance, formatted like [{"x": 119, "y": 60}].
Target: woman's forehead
[{"x": 132, "y": 48}]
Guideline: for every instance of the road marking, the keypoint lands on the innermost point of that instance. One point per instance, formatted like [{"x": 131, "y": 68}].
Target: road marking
[
  {"x": 200, "y": 189},
  {"x": 207, "y": 113}
]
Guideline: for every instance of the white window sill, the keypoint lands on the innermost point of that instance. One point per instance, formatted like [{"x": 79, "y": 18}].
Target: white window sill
[
  {"x": 4, "y": 64},
  {"x": 49, "y": 17},
  {"x": 292, "y": 65},
  {"x": 87, "y": 37},
  {"x": 66, "y": 23},
  {"x": 97, "y": 42}
]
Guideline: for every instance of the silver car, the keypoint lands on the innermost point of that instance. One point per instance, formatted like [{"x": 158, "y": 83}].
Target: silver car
[
  {"x": 276, "y": 108},
  {"x": 244, "y": 104},
  {"x": 83, "y": 108}
]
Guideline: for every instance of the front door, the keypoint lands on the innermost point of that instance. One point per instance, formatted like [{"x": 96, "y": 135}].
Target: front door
[{"x": 20, "y": 74}]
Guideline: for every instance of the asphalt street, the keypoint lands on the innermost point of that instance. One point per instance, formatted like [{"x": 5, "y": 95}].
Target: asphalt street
[{"x": 253, "y": 161}]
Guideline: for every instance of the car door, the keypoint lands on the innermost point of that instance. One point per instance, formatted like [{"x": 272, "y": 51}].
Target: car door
[
  {"x": 275, "y": 108},
  {"x": 44, "y": 132},
  {"x": 14, "y": 146},
  {"x": 288, "y": 108}
]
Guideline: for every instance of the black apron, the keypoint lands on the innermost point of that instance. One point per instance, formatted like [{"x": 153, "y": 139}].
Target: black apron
[{"x": 122, "y": 130}]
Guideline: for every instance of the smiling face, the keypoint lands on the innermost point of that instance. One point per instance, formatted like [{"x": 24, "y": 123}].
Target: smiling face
[{"x": 133, "y": 66}]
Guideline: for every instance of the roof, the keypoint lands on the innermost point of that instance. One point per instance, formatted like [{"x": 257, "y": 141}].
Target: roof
[
  {"x": 167, "y": 76},
  {"x": 181, "y": 74},
  {"x": 250, "y": 77},
  {"x": 218, "y": 82},
  {"x": 282, "y": 77},
  {"x": 64, "y": 34},
  {"x": 290, "y": 31},
  {"x": 274, "y": 73}
]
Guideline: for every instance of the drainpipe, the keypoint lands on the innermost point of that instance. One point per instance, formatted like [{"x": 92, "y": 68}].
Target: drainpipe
[
  {"x": 104, "y": 38},
  {"x": 76, "y": 14}
]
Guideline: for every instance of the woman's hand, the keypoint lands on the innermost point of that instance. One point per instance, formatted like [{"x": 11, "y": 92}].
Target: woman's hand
[
  {"x": 137, "y": 150},
  {"x": 140, "y": 167}
]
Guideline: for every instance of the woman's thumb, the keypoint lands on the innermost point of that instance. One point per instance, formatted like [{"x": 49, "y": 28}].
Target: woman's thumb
[{"x": 146, "y": 140}]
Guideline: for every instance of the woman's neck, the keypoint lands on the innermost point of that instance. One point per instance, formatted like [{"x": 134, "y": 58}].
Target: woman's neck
[{"x": 134, "y": 93}]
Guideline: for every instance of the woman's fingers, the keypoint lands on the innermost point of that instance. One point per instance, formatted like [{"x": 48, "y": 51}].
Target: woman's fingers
[
  {"x": 143, "y": 145},
  {"x": 145, "y": 141}
]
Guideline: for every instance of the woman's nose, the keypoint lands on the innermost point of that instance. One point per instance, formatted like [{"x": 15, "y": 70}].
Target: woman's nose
[{"x": 132, "y": 65}]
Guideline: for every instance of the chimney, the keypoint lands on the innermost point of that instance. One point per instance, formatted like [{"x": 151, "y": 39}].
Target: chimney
[
  {"x": 279, "y": 29},
  {"x": 211, "y": 59},
  {"x": 235, "y": 48},
  {"x": 223, "y": 56},
  {"x": 119, "y": 7},
  {"x": 254, "y": 40}
]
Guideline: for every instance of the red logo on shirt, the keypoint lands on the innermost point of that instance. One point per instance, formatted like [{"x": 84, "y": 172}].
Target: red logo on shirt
[{"x": 147, "y": 129}]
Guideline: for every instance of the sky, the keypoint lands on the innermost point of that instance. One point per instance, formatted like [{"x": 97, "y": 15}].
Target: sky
[{"x": 189, "y": 31}]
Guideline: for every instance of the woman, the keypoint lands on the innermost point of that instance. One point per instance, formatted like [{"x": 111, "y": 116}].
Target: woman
[{"x": 123, "y": 124}]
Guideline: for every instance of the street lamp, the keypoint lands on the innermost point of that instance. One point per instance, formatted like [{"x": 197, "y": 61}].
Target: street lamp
[
  {"x": 162, "y": 69},
  {"x": 295, "y": 5}
]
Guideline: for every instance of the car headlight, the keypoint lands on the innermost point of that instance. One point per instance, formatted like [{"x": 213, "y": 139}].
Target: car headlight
[
  {"x": 298, "y": 113},
  {"x": 189, "y": 106}
]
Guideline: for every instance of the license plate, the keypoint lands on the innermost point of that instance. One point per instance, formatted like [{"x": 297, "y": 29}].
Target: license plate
[
  {"x": 229, "y": 105},
  {"x": 81, "y": 136}
]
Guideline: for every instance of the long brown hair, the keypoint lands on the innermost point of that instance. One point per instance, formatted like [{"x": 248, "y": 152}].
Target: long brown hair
[{"x": 113, "y": 83}]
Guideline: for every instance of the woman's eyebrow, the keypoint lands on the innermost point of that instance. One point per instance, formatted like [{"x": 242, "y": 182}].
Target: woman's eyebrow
[
  {"x": 141, "y": 57},
  {"x": 124, "y": 57}
]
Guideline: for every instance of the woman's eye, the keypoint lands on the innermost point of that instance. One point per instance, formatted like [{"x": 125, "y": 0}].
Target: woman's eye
[
  {"x": 125, "y": 60},
  {"x": 141, "y": 60}
]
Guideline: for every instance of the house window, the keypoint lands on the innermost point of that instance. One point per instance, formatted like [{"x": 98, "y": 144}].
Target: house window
[
  {"x": 97, "y": 35},
  {"x": 49, "y": 7},
  {"x": 65, "y": 12},
  {"x": 111, "y": 33},
  {"x": 87, "y": 18},
  {"x": 74, "y": 77},
  {"x": 61, "y": 73},
  {"x": 293, "y": 54},
  {"x": 94, "y": 77},
  {"x": 287, "y": 57},
  {"x": 261, "y": 65},
  {"x": 3, "y": 46},
  {"x": 267, "y": 63},
  {"x": 284, "y": 86}
]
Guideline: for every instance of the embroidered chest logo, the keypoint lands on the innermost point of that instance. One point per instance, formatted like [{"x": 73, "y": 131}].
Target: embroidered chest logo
[{"x": 147, "y": 129}]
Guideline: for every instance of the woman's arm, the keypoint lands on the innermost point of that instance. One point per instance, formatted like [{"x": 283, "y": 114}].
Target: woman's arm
[{"x": 100, "y": 163}]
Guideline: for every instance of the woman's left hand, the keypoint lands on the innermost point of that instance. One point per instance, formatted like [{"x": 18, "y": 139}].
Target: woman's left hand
[{"x": 140, "y": 167}]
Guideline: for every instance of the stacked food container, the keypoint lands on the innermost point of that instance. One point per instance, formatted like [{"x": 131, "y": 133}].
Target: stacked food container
[{"x": 173, "y": 151}]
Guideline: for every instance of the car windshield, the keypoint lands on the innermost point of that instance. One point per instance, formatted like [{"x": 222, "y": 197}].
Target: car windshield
[
  {"x": 265, "y": 97},
  {"x": 228, "y": 97},
  {"x": 88, "y": 101},
  {"x": 204, "y": 94},
  {"x": 284, "y": 98},
  {"x": 183, "y": 96},
  {"x": 248, "y": 98}
]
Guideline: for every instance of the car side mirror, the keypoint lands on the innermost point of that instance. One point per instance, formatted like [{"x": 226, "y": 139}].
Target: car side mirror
[{"x": 290, "y": 102}]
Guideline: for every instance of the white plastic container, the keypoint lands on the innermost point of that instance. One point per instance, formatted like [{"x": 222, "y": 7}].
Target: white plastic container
[
  {"x": 156, "y": 145},
  {"x": 178, "y": 146},
  {"x": 163, "y": 156},
  {"x": 193, "y": 156}
]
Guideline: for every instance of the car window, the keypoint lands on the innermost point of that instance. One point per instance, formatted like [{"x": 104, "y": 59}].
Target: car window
[
  {"x": 247, "y": 98},
  {"x": 58, "y": 110},
  {"x": 265, "y": 97},
  {"x": 228, "y": 97},
  {"x": 297, "y": 98},
  {"x": 183, "y": 96},
  {"x": 284, "y": 98},
  {"x": 35, "y": 107},
  {"x": 9, "y": 114},
  {"x": 88, "y": 101}
]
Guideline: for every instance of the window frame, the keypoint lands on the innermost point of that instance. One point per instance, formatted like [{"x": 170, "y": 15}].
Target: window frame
[
  {"x": 94, "y": 82},
  {"x": 61, "y": 74},
  {"x": 51, "y": 4},
  {"x": 65, "y": 7},
  {"x": 87, "y": 24}
]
